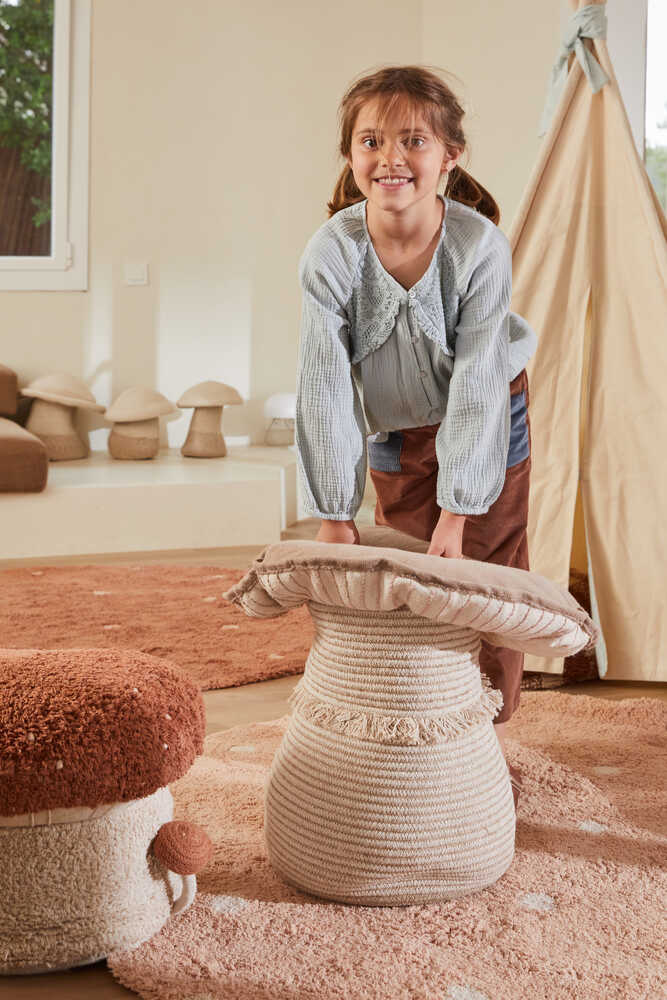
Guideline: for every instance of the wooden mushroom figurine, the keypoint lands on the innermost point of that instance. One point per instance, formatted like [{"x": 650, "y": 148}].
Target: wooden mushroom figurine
[
  {"x": 205, "y": 438},
  {"x": 136, "y": 422},
  {"x": 390, "y": 787},
  {"x": 92, "y": 859},
  {"x": 56, "y": 397}
]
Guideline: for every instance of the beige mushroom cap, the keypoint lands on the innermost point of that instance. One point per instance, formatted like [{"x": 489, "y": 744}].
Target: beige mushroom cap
[
  {"x": 65, "y": 389},
  {"x": 509, "y": 606},
  {"x": 138, "y": 403},
  {"x": 209, "y": 394}
]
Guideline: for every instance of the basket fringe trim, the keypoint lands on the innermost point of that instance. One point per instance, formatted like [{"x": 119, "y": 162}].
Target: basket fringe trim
[{"x": 400, "y": 730}]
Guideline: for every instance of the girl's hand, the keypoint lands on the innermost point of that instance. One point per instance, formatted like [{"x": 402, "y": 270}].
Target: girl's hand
[
  {"x": 338, "y": 532},
  {"x": 447, "y": 538}
]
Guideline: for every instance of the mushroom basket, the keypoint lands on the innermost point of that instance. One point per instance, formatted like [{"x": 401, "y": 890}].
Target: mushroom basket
[
  {"x": 390, "y": 786},
  {"x": 92, "y": 860}
]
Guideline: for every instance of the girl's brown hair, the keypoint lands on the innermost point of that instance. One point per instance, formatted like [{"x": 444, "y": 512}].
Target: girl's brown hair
[{"x": 411, "y": 89}]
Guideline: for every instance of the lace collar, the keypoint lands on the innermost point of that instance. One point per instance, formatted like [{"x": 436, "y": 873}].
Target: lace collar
[{"x": 380, "y": 295}]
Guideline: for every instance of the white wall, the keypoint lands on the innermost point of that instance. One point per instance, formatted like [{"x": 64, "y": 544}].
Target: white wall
[{"x": 213, "y": 153}]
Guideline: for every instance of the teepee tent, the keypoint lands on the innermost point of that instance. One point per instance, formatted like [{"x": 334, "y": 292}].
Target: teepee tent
[{"x": 589, "y": 245}]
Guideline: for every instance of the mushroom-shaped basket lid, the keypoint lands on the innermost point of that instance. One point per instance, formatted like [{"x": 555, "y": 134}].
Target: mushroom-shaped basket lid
[
  {"x": 65, "y": 389},
  {"x": 209, "y": 394},
  {"x": 86, "y": 727},
  {"x": 510, "y": 607},
  {"x": 138, "y": 403},
  {"x": 282, "y": 406}
]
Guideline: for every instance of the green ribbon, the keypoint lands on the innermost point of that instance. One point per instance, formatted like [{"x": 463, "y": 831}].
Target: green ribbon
[{"x": 587, "y": 22}]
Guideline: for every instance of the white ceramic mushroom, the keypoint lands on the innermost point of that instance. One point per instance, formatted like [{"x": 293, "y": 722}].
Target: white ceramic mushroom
[
  {"x": 280, "y": 409},
  {"x": 135, "y": 415},
  {"x": 205, "y": 438},
  {"x": 51, "y": 418}
]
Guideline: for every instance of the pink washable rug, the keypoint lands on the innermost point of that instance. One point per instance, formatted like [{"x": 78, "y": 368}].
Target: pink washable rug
[
  {"x": 578, "y": 915},
  {"x": 176, "y": 612}
]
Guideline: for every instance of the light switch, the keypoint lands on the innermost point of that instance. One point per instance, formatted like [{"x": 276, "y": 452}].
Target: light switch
[{"x": 135, "y": 272}]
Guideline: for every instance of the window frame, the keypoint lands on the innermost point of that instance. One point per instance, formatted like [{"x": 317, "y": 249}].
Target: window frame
[{"x": 66, "y": 268}]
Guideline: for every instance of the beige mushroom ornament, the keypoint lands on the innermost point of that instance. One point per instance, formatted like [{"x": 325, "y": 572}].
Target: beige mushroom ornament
[
  {"x": 205, "y": 438},
  {"x": 51, "y": 419},
  {"x": 135, "y": 415}
]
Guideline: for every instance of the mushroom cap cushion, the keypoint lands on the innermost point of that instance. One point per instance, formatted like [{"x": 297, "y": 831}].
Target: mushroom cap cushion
[
  {"x": 390, "y": 786},
  {"x": 89, "y": 741}
]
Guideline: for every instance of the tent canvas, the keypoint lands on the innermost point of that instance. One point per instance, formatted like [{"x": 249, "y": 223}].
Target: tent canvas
[{"x": 590, "y": 276}]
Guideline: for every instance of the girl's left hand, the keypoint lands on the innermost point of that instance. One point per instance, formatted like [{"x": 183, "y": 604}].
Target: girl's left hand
[{"x": 447, "y": 538}]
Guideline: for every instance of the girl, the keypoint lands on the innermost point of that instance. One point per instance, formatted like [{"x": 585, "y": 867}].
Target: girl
[{"x": 407, "y": 336}]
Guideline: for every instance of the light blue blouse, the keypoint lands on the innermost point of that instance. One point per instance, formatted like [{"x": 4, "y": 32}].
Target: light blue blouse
[{"x": 375, "y": 357}]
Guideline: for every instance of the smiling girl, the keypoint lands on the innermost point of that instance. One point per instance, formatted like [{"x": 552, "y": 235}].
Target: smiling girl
[{"x": 407, "y": 339}]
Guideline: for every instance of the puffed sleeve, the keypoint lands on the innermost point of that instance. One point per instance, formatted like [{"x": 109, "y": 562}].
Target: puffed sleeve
[
  {"x": 330, "y": 430},
  {"x": 472, "y": 442}
]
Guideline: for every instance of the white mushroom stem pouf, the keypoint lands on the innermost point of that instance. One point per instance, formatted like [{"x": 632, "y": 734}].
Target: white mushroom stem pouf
[
  {"x": 92, "y": 860},
  {"x": 390, "y": 786},
  {"x": 205, "y": 438},
  {"x": 136, "y": 425},
  {"x": 51, "y": 418}
]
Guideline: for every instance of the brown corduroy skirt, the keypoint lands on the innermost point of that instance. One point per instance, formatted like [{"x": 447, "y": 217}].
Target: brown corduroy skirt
[{"x": 406, "y": 500}]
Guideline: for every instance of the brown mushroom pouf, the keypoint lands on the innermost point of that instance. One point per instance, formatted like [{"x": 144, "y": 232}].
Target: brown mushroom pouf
[
  {"x": 51, "y": 419},
  {"x": 135, "y": 415},
  {"x": 390, "y": 786},
  {"x": 205, "y": 438},
  {"x": 92, "y": 860}
]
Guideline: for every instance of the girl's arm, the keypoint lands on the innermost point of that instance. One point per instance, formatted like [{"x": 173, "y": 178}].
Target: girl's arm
[
  {"x": 329, "y": 427},
  {"x": 472, "y": 442}
]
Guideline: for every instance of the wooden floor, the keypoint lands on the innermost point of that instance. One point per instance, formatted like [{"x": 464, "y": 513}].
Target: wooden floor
[{"x": 226, "y": 708}]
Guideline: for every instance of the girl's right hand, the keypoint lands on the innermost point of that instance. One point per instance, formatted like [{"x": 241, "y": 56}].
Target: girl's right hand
[
  {"x": 338, "y": 532},
  {"x": 447, "y": 539}
]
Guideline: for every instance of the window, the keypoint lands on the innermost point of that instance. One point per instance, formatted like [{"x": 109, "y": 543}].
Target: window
[
  {"x": 44, "y": 105},
  {"x": 655, "y": 150}
]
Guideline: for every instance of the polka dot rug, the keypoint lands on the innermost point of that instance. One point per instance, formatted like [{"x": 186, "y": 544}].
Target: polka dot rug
[
  {"x": 579, "y": 914},
  {"x": 173, "y": 611}
]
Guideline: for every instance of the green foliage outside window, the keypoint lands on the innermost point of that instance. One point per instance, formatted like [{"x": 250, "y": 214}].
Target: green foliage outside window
[
  {"x": 656, "y": 168},
  {"x": 26, "y": 87}
]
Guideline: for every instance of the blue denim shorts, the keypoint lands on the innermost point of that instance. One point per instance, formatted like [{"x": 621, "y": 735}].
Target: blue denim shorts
[{"x": 384, "y": 450}]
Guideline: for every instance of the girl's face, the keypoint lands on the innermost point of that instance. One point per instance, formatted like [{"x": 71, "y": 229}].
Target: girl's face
[{"x": 395, "y": 169}]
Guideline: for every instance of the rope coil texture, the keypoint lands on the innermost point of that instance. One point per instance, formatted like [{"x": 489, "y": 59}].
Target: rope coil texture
[{"x": 389, "y": 786}]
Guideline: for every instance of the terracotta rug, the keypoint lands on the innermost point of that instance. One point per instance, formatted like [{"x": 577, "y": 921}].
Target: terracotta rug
[
  {"x": 176, "y": 612},
  {"x": 576, "y": 916},
  {"x": 172, "y": 611}
]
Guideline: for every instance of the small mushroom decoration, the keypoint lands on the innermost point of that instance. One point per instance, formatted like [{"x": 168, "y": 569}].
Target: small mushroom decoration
[
  {"x": 51, "y": 418},
  {"x": 205, "y": 438},
  {"x": 281, "y": 411},
  {"x": 135, "y": 415}
]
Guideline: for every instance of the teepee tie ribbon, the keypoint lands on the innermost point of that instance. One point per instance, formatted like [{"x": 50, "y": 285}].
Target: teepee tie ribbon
[{"x": 587, "y": 22}]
